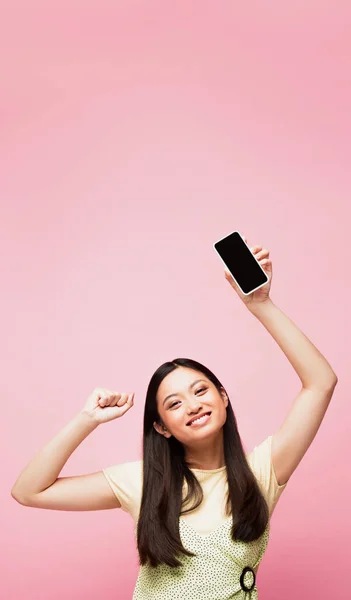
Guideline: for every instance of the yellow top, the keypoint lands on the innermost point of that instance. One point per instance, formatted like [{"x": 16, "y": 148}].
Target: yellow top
[{"x": 218, "y": 571}]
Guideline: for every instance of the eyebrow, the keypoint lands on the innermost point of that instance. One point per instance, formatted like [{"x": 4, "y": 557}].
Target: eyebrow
[{"x": 190, "y": 386}]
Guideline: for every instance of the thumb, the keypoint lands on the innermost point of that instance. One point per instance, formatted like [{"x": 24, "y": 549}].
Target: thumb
[
  {"x": 231, "y": 281},
  {"x": 228, "y": 276}
]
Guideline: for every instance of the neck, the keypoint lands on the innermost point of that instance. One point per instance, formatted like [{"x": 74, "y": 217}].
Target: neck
[{"x": 206, "y": 454}]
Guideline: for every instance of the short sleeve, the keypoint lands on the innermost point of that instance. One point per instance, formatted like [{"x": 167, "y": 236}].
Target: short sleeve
[
  {"x": 260, "y": 460},
  {"x": 125, "y": 481}
]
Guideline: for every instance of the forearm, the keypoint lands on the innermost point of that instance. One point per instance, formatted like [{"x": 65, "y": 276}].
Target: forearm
[
  {"x": 310, "y": 365},
  {"x": 45, "y": 467}
]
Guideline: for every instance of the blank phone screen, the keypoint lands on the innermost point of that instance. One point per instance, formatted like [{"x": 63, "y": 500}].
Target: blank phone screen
[{"x": 241, "y": 262}]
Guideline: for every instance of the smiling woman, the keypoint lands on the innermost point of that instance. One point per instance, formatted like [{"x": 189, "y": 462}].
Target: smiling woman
[
  {"x": 182, "y": 412},
  {"x": 201, "y": 505},
  {"x": 195, "y": 493}
]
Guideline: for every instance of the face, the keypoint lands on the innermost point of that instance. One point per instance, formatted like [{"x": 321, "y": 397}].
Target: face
[{"x": 190, "y": 399}]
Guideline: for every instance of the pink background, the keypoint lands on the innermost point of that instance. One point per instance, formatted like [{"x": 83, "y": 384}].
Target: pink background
[{"x": 133, "y": 136}]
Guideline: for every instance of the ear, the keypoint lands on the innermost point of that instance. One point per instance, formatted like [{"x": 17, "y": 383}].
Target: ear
[
  {"x": 162, "y": 430},
  {"x": 225, "y": 397}
]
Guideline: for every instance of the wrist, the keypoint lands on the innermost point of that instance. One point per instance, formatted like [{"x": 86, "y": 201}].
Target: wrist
[
  {"x": 258, "y": 307},
  {"x": 87, "y": 420}
]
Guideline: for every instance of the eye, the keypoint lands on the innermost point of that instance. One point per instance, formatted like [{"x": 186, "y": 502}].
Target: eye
[{"x": 176, "y": 402}]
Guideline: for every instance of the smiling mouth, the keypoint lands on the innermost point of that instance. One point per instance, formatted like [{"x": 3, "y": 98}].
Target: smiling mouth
[{"x": 201, "y": 420}]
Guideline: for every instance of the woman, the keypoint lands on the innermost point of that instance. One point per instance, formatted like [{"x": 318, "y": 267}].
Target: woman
[{"x": 202, "y": 507}]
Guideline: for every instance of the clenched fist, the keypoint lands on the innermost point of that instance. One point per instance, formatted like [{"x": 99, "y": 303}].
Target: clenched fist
[{"x": 105, "y": 405}]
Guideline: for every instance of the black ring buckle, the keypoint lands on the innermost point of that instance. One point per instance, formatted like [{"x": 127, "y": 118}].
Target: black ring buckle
[{"x": 246, "y": 570}]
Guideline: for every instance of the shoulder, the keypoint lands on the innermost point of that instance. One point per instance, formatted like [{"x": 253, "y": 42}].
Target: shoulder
[
  {"x": 260, "y": 462},
  {"x": 126, "y": 481},
  {"x": 126, "y": 470}
]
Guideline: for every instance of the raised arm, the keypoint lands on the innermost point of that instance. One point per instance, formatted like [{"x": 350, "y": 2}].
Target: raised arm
[{"x": 39, "y": 484}]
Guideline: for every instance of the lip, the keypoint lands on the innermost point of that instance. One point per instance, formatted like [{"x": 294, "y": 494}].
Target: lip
[{"x": 208, "y": 413}]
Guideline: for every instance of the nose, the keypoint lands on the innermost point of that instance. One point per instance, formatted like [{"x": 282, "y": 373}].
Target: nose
[{"x": 194, "y": 408}]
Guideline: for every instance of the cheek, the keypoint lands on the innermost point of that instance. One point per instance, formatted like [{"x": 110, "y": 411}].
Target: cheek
[
  {"x": 179, "y": 418},
  {"x": 176, "y": 421},
  {"x": 173, "y": 417}
]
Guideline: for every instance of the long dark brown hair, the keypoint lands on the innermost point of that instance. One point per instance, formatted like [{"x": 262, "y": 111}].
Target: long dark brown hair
[{"x": 164, "y": 470}]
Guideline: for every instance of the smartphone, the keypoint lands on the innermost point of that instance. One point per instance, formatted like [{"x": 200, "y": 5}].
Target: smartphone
[{"x": 241, "y": 263}]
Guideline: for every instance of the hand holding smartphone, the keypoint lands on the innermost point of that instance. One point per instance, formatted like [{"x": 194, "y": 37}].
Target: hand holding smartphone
[{"x": 241, "y": 263}]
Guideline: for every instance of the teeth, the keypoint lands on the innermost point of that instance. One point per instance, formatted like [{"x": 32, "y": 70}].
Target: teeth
[{"x": 200, "y": 419}]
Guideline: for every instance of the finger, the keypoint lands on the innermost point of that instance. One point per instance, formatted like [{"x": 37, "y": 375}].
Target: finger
[
  {"x": 100, "y": 392},
  {"x": 264, "y": 253},
  {"x": 229, "y": 277},
  {"x": 106, "y": 397},
  {"x": 114, "y": 398},
  {"x": 124, "y": 399},
  {"x": 128, "y": 400},
  {"x": 125, "y": 407}
]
